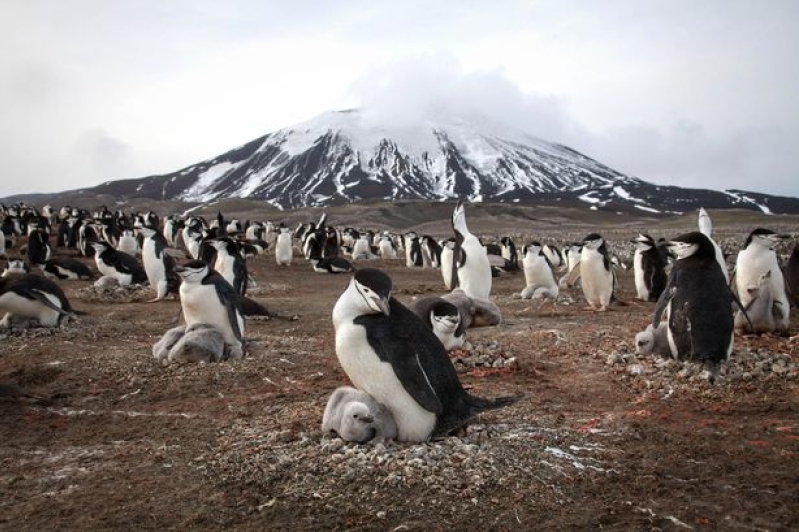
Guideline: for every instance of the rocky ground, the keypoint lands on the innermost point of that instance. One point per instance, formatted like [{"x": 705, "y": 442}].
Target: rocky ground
[{"x": 98, "y": 434}]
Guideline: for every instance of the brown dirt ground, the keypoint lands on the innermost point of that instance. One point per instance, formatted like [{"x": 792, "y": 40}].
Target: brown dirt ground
[{"x": 123, "y": 442}]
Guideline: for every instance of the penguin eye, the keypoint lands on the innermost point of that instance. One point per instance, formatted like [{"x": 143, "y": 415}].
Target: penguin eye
[{"x": 355, "y": 416}]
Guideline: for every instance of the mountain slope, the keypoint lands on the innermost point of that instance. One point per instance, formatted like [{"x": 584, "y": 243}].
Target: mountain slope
[{"x": 346, "y": 156}]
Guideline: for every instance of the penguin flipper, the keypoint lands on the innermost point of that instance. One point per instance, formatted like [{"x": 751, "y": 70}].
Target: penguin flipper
[
  {"x": 230, "y": 300},
  {"x": 44, "y": 300},
  {"x": 662, "y": 303},
  {"x": 742, "y": 307}
]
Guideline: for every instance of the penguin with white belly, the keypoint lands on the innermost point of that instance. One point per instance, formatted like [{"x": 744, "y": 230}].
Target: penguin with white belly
[
  {"x": 596, "y": 276},
  {"x": 158, "y": 264},
  {"x": 230, "y": 264},
  {"x": 32, "y": 296},
  {"x": 206, "y": 297},
  {"x": 284, "y": 250},
  {"x": 123, "y": 267},
  {"x": 756, "y": 259},
  {"x": 649, "y": 268},
  {"x": 472, "y": 269},
  {"x": 389, "y": 353},
  {"x": 538, "y": 274}
]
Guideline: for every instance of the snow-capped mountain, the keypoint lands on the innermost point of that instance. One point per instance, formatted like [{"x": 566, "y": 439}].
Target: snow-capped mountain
[{"x": 346, "y": 156}]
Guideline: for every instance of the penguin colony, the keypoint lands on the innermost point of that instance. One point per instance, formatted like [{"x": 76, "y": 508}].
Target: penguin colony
[{"x": 406, "y": 387}]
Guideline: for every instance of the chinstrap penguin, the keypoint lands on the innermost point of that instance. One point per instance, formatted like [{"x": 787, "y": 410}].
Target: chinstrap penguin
[
  {"x": 32, "y": 296},
  {"x": 125, "y": 268},
  {"x": 472, "y": 270}
]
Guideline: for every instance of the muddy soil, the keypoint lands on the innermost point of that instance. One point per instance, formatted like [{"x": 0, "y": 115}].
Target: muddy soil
[{"x": 108, "y": 438}]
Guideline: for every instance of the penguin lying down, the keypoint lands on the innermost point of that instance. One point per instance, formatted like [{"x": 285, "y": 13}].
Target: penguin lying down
[
  {"x": 353, "y": 415},
  {"x": 198, "y": 342}
]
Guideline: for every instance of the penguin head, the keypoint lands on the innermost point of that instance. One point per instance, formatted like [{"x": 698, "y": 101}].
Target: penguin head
[
  {"x": 694, "y": 244},
  {"x": 643, "y": 242},
  {"x": 459, "y": 219},
  {"x": 373, "y": 290},
  {"x": 357, "y": 423},
  {"x": 533, "y": 248},
  {"x": 193, "y": 271},
  {"x": 765, "y": 238},
  {"x": 444, "y": 316},
  {"x": 644, "y": 342},
  {"x": 593, "y": 241}
]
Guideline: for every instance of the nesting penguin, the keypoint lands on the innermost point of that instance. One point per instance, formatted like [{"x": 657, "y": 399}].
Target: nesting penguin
[
  {"x": 353, "y": 415},
  {"x": 697, "y": 303},
  {"x": 596, "y": 275},
  {"x": 206, "y": 297},
  {"x": 471, "y": 270},
  {"x": 649, "y": 268},
  {"x": 123, "y": 267},
  {"x": 64, "y": 268},
  {"x": 538, "y": 274},
  {"x": 761, "y": 309},
  {"x": 158, "y": 264},
  {"x": 32, "y": 296},
  {"x": 443, "y": 318},
  {"x": 389, "y": 353},
  {"x": 756, "y": 259}
]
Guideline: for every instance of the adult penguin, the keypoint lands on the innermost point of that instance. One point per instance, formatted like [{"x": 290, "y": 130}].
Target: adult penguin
[
  {"x": 206, "y": 297},
  {"x": 540, "y": 282},
  {"x": 121, "y": 266},
  {"x": 697, "y": 303},
  {"x": 389, "y": 353},
  {"x": 32, "y": 296},
  {"x": 472, "y": 270},
  {"x": 66, "y": 268},
  {"x": 649, "y": 268},
  {"x": 38, "y": 249},
  {"x": 443, "y": 318},
  {"x": 230, "y": 264},
  {"x": 596, "y": 276},
  {"x": 756, "y": 259},
  {"x": 158, "y": 264}
]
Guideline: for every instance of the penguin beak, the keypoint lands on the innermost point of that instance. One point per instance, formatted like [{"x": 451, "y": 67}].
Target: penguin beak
[{"x": 383, "y": 305}]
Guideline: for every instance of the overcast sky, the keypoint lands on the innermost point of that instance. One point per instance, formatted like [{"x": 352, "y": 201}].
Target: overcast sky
[{"x": 695, "y": 93}]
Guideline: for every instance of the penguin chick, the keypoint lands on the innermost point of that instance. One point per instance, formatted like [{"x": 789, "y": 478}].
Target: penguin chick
[
  {"x": 167, "y": 341},
  {"x": 354, "y": 415},
  {"x": 653, "y": 341},
  {"x": 200, "y": 343}
]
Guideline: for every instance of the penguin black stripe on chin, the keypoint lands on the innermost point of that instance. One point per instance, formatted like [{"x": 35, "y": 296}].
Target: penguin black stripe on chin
[{"x": 389, "y": 353}]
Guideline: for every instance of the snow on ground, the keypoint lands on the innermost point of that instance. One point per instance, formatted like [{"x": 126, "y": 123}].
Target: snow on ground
[{"x": 205, "y": 180}]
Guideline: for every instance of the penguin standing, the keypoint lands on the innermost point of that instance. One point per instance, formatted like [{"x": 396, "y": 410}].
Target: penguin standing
[
  {"x": 127, "y": 243},
  {"x": 792, "y": 275},
  {"x": 649, "y": 268},
  {"x": 431, "y": 252},
  {"x": 32, "y": 296},
  {"x": 448, "y": 262},
  {"x": 230, "y": 264},
  {"x": 471, "y": 266},
  {"x": 66, "y": 268},
  {"x": 206, "y": 297},
  {"x": 386, "y": 247},
  {"x": 121, "y": 266},
  {"x": 38, "y": 249},
  {"x": 756, "y": 259},
  {"x": 509, "y": 252},
  {"x": 706, "y": 228},
  {"x": 158, "y": 264},
  {"x": 443, "y": 318},
  {"x": 284, "y": 250},
  {"x": 596, "y": 275},
  {"x": 538, "y": 274},
  {"x": 697, "y": 303},
  {"x": 389, "y": 353},
  {"x": 362, "y": 250}
]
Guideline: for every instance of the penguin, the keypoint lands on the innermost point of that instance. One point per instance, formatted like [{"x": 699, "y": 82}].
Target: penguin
[
  {"x": 792, "y": 276},
  {"x": 32, "y": 296},
  {"x": 552, "y": 253},
  {"x": 538, "y": 274},
  {"x": 159, "y": 266},
  {"x": 386, "y": 247},
  {"x": 762, "y": 310},
  {"x": 706, "y": 228},
  {"x": 431, "y": 252},
  {"x": 353, "y": 415},
  {"x": 447, "y": 262},
  {"x": 415, "y": 252},
  {"x": 127, "y": 243},
  {"x": 474, "y": 312},
  {"x": 362, "y": 250},
  {"x": 284, "y": 250},
  {"x": 125, "y": 268},
  {"x": 230, "y": 264},
  {"x": 171, "y": 230},
  {"x": 38, "y": 249},
  {"x": 653, "y": 341},
  {"x": 206, "y": 297},
  {"x": 472, "y": 270},
  {"x": 443, "y": 318},
  {"x": 697, "y": 303},
  {"x": 649, "y": 268},
  {"x": 64, "y": 268},
  {"x": 200, "y": 342},
  {"x": 597, "y": 278},
  {"x": 389, "y": 353},
  {"x": 326, "y": 264},
  {"x": 16, "y": 267},
  {"x": 509, "y": 252},
  {"x": 86, "y": 236},
  {"x": 754, "y": 260}
]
